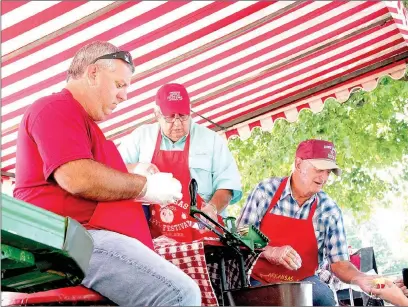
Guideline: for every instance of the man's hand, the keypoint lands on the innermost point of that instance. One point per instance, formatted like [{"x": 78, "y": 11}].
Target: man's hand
[
  {"x": 162, "y": 189},
  {"x": 144, "y": 169},
  {"x": 210, "y": 210},
  {"x": 284, "y": 255},
  {"x": 400, "y": 284},
  {"x": 365, "y": 282},
  {"x": 391, "y": 293}
]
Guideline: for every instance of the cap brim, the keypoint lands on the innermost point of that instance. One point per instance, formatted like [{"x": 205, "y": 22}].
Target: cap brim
[{"x": 323, "y": 164}]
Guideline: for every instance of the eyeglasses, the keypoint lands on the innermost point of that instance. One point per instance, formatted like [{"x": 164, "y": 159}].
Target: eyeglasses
[
  {"x": 120, "y": 55},
  {"x": 171, "y": 119}
]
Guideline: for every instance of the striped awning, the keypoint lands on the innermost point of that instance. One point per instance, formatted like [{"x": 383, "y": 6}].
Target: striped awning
[{"x": 244, "y": 63}]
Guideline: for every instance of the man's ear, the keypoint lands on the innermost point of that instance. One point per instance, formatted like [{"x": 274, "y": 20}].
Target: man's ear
[
  {"x": 91, "y": 73},
  {"x": 298, "y": 161}
]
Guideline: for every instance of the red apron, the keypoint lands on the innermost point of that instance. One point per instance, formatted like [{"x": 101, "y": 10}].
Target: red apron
[
  {"x": 124, "y": 216},
  {"x": 297, "y": 233},
  {"x": 174, "y": 220}
]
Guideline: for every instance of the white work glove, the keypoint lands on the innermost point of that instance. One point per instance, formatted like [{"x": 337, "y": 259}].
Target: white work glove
[
  {"x": 141, "y": 168},
  {"x": 161, "y": 189},
  {"x": 284, "y": 255}
]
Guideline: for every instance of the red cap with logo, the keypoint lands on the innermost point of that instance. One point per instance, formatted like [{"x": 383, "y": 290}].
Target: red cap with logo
[
  {"x": 322, "y": 154},
  {"x": 172, "y": 99}
]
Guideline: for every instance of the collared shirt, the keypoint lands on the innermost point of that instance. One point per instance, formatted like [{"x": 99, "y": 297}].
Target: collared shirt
[
  {"x": 210, "y": 161},
  {"x": 327, "y": 220}
]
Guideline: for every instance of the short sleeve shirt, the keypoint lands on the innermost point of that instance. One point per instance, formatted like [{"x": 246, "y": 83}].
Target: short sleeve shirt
[
  {"x": 210, "y": 161},
  {"x": 55, "y": 130}
]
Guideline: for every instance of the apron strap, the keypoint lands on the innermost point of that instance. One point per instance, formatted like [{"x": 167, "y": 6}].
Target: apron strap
[
  {"x": 278, "y": 194},
  {"x": 158, "y": 141},
  {"x": 312, "y": 210}
]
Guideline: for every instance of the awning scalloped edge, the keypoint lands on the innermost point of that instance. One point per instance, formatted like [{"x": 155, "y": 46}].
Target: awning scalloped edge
[{"x": 341, "y": 93}]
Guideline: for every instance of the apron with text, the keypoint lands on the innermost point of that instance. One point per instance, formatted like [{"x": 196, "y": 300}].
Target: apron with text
[
  {"x": 282, "y": 230},
  {"x": 174, "y": 220}
]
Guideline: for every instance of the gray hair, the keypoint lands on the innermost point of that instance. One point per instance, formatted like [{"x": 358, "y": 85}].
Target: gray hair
[{"x": 87, "y": 54}]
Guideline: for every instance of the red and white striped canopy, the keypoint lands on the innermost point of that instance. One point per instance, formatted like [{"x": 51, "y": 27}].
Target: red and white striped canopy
[{"x": 244, "y": 63}]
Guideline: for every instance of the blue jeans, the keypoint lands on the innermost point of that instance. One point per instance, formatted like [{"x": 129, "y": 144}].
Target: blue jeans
[
  {"x": 322, "y": 295},
  {"x": 130, "y": 274}
]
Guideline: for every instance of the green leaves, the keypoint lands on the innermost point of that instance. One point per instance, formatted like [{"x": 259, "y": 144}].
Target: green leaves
[{"x": 370, "y": 132}]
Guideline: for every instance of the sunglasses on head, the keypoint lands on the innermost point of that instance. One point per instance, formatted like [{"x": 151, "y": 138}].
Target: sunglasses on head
[{"x": 119, "y": 55}]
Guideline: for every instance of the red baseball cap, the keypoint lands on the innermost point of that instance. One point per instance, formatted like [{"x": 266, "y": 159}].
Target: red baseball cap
[
  {"x": 322, "y": 154},
  {"x": 173, "y": 98}
]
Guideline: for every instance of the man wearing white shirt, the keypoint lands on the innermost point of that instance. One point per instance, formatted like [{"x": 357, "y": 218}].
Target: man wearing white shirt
[{"x": 177, "y": 145}]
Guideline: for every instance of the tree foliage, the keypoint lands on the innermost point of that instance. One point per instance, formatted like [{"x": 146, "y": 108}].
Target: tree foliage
[
  {"x": 388, "y": 261},
  {"x": 370, "y": 132}
]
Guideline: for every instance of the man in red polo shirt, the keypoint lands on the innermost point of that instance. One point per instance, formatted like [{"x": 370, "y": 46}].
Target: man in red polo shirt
[{"x": 66, "y": 165}]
